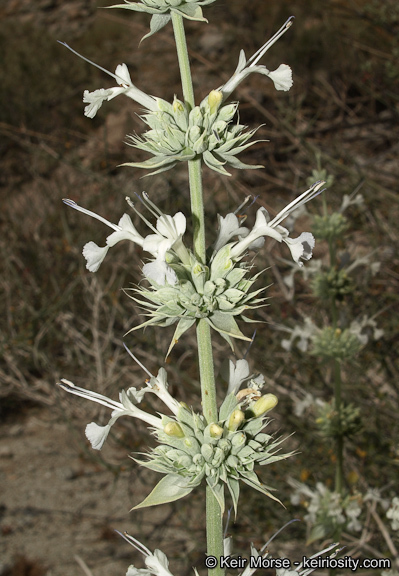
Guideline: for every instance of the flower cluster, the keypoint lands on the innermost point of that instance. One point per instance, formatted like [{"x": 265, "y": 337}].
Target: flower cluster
[
  {"x": 222, "y": 452},
  {"x": 162, "y": 11},
  {"x": 332, "y": 343},
  {"x": 157, "y": 563},
  {"x": 327, "y": 510},
  {"x": 190, "y": 449},
  {"x": 179, "y": 132},
  {"x": 182, "y": 289},
  {"x": 334, "y": 424}
]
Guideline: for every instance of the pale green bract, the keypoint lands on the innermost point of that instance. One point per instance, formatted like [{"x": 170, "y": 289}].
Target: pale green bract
[
  {"x": 219, "y": 293},
  {"x": 178, "y": 134},
  {"x": 162, "y": 10},
  {"x": 222, "y": 453}
]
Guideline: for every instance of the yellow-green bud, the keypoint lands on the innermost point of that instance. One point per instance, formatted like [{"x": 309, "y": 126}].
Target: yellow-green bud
[
  {"x": 214, "y": 100},
  {"x": 173, "y": 429},
  {"x": 177, "y": 106},
  {"x": 263, "y": 405},
  {"x": 215, "y": 431},
  {"x": 236, "y": 419}
]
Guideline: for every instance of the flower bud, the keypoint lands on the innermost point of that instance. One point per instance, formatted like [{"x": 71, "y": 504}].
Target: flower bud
[
  {"x": 177, "y": 106},
  {"x": 214, "y": 100},
  {"x": 263, "y": 405},
  {"x": 174, "y": 429},
  {"x": 198, "y": 274},
  {"x": 215, "y": 431},
  {"x": 237, "y": 417}
]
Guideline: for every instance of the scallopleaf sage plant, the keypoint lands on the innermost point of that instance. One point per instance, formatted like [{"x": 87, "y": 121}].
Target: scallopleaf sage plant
[{"x": 207, "y": 286}]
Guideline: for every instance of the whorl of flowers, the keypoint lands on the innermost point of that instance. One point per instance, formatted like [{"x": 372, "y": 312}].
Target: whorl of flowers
[
  {"x": 157, "y": 563},
  {"x": 219, "y": 293},
  {"x": 178, "y": 134},
  {"x": 162, "y": 11},
  {"x": 191, "y": 450},
  {"x": 222, "y": 453},
  {"x": 182, "y": 289},
  {"x": 327, "y": 510}
]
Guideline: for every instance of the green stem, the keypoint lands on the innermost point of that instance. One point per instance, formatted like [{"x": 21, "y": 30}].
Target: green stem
[
  {"x": 184, "y": 63},
  {"x": 205, "y": 356},
  {"x": 339, "y": 466},
  {"x": 197, "y": 209},
  {"x": 214, "y": 520},
  {"x": 194, "y": 166},
  {"x": 339, "y": 441}
]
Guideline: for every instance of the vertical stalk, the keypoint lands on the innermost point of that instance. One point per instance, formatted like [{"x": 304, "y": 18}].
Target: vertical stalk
[
  {"x": 339, "y": 466},
  {"x": 339, "y": 443},
  {"x": 214, "y": 521},
  {"x": 194, "y": 166}
]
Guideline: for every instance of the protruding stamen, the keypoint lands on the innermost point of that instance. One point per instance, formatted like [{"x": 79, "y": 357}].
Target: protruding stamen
[
  {"x": 258, "y": 55},
  {"x": 72, "y": 204},
  {"x": 90, "y": 62},
  {"x": 137, "y": 361}
]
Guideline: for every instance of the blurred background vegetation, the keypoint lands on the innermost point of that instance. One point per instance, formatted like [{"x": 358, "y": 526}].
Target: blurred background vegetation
[{"x": 59, "y": 320}]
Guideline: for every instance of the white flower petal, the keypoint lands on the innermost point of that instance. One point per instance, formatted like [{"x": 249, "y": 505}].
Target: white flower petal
[
  {"x": 122, "y": 75},
  {"x": 94, "y": 255},
  {"x": 127, "y": 232},
  {"x": 157, "y": 245},
  {"x": 301, "y": 247},
  {"x": 172, "y": 227},
  {"x": 133, "y": 571},
  {"x": 229, "y": 226},
  {"x": 160, "y": 272},
  {"x": 97, "y": 435},
  {"x": 282, "y": 77},
  {"x": 180, "y": 223},
  {"x": 238, "y": 373},
  {"x": 94, "y": 100},
  {"x": 158, "y": 563}
]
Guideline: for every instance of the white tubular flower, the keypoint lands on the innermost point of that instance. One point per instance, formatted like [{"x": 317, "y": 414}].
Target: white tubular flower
[
  {"x": 125, "y": 86},
  {"x": 236, "y": 374},
  {"x": 158, "y": 385},
  {"x": 167, "y": 235},
  {"x": 124, "y": 230},
  {"x": 169, "y": 230},
  {"x": 126, "y": 407},
  {"x": 282, "y": 76},
  {"x": 157, "y": 563},
  {"x": 300, "y": 247},
  {"x": 160, "y": 273},
  {"x": 229, "y": 226}
]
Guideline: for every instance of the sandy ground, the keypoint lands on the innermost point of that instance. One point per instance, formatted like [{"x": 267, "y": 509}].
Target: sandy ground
[{"x": 57, "y": 503}]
